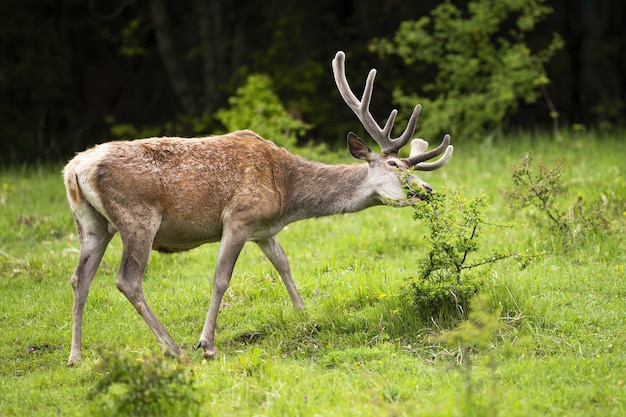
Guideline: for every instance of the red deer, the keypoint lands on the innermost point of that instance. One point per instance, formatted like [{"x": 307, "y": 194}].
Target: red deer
[{"x": 174, "y": 194}]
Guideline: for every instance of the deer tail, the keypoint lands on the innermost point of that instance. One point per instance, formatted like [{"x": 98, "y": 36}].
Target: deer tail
[{"x": 70, "y": 176}]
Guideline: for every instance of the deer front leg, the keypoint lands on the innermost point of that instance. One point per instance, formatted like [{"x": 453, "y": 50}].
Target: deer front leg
[
  {"x": 230, "y": 247},
  {"x": 275, "y": 253}
]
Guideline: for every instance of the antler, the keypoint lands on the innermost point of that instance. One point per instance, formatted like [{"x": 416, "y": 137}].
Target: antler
[
  {"x": 382, "y": 136},
  {"x": 361, "y": 109},
  {"x": 418, "y": 156}
]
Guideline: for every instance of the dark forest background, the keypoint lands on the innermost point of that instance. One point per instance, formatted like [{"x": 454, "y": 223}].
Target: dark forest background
[{"x": 72, "y": 70}]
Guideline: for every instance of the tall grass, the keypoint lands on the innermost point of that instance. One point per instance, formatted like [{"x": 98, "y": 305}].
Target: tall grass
[{"x": 359, "y": 348}]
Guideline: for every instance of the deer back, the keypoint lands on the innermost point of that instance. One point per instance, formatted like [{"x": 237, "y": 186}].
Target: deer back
[{"x": 191, "y": 186}]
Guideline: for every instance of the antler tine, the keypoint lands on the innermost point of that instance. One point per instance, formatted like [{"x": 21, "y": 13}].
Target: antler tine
[
  {"x": 361, "y": 109},
  {"x": 416, "y": 161},
  {"x": 410, "y": 127},
  {"x": 431, "y": 166}
]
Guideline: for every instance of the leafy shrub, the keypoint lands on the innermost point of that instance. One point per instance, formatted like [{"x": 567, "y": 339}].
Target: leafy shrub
[
  {"x": 257, "y": 107},
  {"x": 482, "y": 62},
  {"x": 448, "y": 282},
  {"x": 147, "y": 385},
  {"x": 614, "y": 197},
  {"x": 543, "y": 189},
  {"x": 444, "y": 301}
]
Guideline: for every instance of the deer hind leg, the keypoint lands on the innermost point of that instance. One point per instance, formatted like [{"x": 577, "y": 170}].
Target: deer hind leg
[
  {"x": 231, "y": 244},
  {"x": 93, "y": 238},
  {"x": 137, "y": 245},
  {"x": 275, "y": 253}
]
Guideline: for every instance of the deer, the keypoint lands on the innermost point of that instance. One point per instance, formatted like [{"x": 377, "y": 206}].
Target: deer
[{"x": 173, "y": 194}]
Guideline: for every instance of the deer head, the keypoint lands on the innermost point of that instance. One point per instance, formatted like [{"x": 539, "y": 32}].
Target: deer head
[{"x": 388, "y": 170}]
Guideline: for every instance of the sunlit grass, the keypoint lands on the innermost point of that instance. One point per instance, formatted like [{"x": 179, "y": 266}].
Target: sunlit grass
[{"x": 358, "y": 348}]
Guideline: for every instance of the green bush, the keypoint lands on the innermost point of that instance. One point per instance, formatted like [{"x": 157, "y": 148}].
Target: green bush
[
  {"x": 148, "y": 385},
  {"x": 544, "y": 191},
  {"x": 483, "y": 64},
  {"x": 257, "y": 107},
  {"x": 448, "y": 280}
]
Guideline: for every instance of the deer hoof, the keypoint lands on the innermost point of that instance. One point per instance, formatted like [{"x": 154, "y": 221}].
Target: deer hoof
[
  {"x": 177, "y": 355},
  {"x": 209, "y": 352},
  {"x": 74, "y": 360}
]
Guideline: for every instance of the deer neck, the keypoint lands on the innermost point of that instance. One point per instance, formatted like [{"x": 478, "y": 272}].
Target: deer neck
[{"x": 316, "y": 189}]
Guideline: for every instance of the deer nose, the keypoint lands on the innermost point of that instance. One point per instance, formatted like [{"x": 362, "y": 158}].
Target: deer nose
[{"x": 427, "y": 187}]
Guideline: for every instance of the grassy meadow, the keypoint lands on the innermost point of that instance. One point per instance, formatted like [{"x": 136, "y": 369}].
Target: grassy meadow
[{"x": 359, "y": 348}]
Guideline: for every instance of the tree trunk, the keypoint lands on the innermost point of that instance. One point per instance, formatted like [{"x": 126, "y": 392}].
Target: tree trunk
[
  {"x": 211, "y": 45},
  {"x": 167, "y": 51}
]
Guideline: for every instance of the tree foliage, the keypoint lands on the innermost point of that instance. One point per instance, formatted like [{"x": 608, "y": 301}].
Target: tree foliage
[
  {"x": 78, "y": 72},
  {"x": 482, "y": 63}
]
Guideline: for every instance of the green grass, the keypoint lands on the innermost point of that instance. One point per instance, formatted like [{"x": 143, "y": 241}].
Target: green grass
[{"x": 359, "y": 349}]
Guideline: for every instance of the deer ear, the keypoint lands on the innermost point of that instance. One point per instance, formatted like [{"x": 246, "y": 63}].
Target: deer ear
[
  {"x": 358, "y": 148},
  {"x": 418, "y": 146}
]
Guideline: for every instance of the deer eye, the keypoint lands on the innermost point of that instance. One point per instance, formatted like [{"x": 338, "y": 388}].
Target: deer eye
[{"x": 392, "y": 164}]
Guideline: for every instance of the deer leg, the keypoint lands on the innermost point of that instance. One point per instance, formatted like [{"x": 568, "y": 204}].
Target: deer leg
[
  {"x": 230, "y": 248},
  {"x": 135, "y": 256},
  {"x": 93, "y": 239},
  {"x": 275, "y": 253}
]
